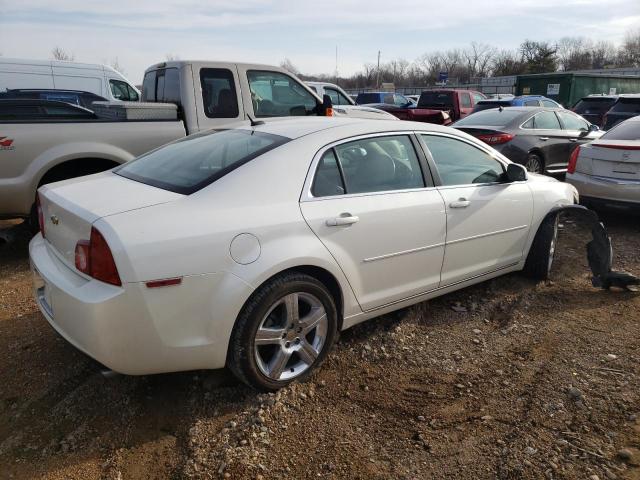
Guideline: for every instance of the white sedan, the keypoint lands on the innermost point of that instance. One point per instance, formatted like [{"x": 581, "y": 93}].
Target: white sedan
[{"x": 252, "y": 247}]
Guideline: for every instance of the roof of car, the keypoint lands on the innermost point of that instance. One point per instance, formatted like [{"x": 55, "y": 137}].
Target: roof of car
[{"x": 296, "y": 127}]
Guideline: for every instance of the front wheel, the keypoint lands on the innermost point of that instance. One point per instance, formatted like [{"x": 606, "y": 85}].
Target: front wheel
[
  {"x": 284, "y": 332},
  {"x": 542, "y": 252}
]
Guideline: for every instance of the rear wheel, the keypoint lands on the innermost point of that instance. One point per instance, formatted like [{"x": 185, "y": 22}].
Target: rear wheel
[
  {"x": 534, "y": 163},
  {"x": 283, "y": 333},
  {"x": 542, "y": 252}
]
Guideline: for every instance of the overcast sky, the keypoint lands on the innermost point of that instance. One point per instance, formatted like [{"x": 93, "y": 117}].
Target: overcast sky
[{"x": 142, "y": 32}]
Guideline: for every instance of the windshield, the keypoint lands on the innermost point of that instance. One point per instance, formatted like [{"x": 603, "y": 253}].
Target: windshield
[
  {"x": 627, "y": 105},
  {"x": 623, "y": 131},
  {"x": 593, "y": 105},
  {"x": 491, "y": 118},
  {"x": 436, "y": 99},
  {"x": 192, "y": 163}
]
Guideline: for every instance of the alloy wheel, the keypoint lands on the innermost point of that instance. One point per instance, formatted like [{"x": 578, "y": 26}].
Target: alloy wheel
[
  {"x": 290, "y": 336},
  {"x": 534, "y": 164}
]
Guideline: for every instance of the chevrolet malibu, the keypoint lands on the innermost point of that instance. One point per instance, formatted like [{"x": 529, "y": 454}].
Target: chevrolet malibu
[{"x": 253, "y": 247}]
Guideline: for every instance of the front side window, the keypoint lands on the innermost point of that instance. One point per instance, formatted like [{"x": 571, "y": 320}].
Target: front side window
[
  {"x": 275, "y": 94},
  {"x": 531, "y": 103},
  {"x": 149, "y": 87},
  {"x": 335, "y": 99},
  {"x": 401, "y": 101},
  {"x": 123, "y": 91},
  {"x": 219, "y": 97},
  {"x": 460, "y": 163},
  {"x": 573, "y": 122},
  {"x": 465, "y": 100},
  {"x": 190, "y": 164},
  {"x": 369, "y": 165},
  {"x": 477, "y": 98}
]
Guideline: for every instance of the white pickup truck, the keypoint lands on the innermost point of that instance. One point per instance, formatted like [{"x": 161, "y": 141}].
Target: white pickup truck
[{"x": 42, "y": 142}]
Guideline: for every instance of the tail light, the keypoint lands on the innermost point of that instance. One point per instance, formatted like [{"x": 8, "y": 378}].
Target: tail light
[
  {"x": 40, "y": 215},
  {"x": 496, "y": 138},
  {"x": 573, "y": 160},
  {"x": 94, "y": 258},
  {"x": 617, "y": 147}
]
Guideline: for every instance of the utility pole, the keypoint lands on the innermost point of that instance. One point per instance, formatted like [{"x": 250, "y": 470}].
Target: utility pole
[
  {"x": 336, "y": 64},
  {"x": 378, "y": 77}
]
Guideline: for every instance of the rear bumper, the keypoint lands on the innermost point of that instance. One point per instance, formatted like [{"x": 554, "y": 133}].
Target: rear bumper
[
  {"x": 606, "y": 190},
  {"x": 134, "y": 329}
]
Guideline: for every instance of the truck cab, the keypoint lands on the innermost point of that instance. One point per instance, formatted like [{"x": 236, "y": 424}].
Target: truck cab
[{"x": 214, "y": 94}]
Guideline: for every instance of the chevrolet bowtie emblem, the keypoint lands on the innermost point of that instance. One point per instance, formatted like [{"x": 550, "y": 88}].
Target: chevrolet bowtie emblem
[{"x": 55, "y": 220}]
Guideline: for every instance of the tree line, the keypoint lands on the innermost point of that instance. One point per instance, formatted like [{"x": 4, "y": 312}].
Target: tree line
[{"x": 468, "y": 65}]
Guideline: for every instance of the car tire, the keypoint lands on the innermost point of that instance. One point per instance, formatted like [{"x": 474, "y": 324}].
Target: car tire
[
  {"x": 542, "y": 252},
  {"x": 283, "y": 333},
  {"x": 534, "y": 163}
]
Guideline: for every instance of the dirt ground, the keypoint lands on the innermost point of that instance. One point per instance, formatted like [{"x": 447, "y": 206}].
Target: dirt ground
[{"x": 507, "y": 379}]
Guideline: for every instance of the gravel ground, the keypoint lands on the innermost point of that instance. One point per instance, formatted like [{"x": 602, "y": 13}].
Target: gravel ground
[{"x": 507, "y": 379}]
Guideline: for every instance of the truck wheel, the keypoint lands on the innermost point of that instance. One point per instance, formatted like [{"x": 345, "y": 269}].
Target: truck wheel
[
  {"x": 283, "y": 333},
  {"x": 534, "y": 163},
  {"x": 542, "y": 252}
]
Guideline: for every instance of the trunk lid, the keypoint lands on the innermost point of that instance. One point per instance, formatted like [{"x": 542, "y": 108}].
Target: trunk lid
[
  {"x": 614, "y": 158},
  {"x": 70, "y": 207}
]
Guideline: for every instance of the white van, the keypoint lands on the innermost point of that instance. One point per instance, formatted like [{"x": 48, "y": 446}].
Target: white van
[{"x": 60, "y": 75}]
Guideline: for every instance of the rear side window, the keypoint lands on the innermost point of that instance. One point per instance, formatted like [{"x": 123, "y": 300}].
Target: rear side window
[
  {"x": 460, "y": 163},
  {"x": 275, "y": 94},
  {"x": 624, "y": 131},
  {"x": 379, "y": 164},
  {"x": 546, "y": 121},
  {"x": 328, "y": 180},
  {"x": 149, "y": 87},
  {"x": 627, "y": 105},
  {"x": 219, "y": 95},
  {"x": 192, "y": 163},
  {"x": 549, "y": 103},
  {"x": 531, "y": 103}
]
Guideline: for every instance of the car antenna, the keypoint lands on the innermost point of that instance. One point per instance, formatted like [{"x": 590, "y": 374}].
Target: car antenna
[{"x": 254, "y": 122}]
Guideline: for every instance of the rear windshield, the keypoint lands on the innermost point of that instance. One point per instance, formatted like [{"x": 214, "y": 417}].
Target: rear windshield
[
  {"x": 624, "y": 131},
  {"x": 627, "y": 105},
  {"x": 363, "y": 98},
  {"x": 491, "y": 118},
  {"x": 436, "y": 99},
  {"x": 192, "y": 163},
  {"x": 593, "y": 105},
  {"x": 488, "y": 105}
]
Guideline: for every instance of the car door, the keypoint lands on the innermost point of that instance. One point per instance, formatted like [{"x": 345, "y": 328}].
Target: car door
[
  {"x": 369, "y": 202},
  {"x": 488, "y": 219},
  {"x": 544, "y": 133},
  {"x": 577, "y": 130}
]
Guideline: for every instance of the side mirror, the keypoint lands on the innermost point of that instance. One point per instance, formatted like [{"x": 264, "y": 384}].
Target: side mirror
[
  {"x": 594, "y": 128},
  {"x": 516, "y": 173},
  {"x": 327, "y": 106}
]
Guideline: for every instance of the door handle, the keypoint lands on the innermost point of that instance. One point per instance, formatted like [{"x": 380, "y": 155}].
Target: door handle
[
  {"x": 343, "y": 219},
  {"x": 573, "y": 140},
  {"x": 544, "y": 138},
  {"x": 460, "y": 203}
]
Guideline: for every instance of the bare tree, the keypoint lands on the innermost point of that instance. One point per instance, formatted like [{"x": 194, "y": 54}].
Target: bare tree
[
  {"x": 289, "y": 66},
  {"x": 116, "y": 66},
  {"x": 170, "y": 57},
  {"x": 59, "y": 54},
  {"x": 629, "y": 53}
]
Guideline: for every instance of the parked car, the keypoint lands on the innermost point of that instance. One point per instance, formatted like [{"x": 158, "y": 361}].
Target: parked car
[
  {"x": 337, "y": 94},
  {"x": 606, "y": 172},
  {"x": 77, "y": 97},
  {"x": 541, "y": 139},
  {"x": 412, "y": 113},
  {"x": 520, "y": 101},
  {"x": 388, "y": 98},
  {"x": 594, "y": 107},
  {"x": 457, "y": 103},
  {"x": 626, "y": 106},
  {"x": 253, "y": 246},
  {"x": 101, "y": 80},
  {"x": 45, "y": 150}
]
